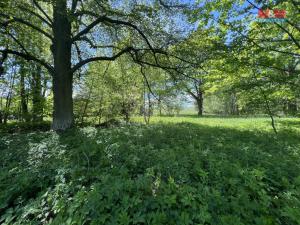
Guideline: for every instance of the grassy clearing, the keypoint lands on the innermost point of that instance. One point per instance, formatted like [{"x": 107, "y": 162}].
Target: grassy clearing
[
  {"x": 177, "y": 170},
  {"x": 251, "y": 123}
]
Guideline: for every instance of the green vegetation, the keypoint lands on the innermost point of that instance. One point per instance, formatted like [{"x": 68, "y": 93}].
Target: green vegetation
[
  {"x": 177, "y": 170},
  {"x": 149, "y": 112},
  {"x": 91, "y": 61}
]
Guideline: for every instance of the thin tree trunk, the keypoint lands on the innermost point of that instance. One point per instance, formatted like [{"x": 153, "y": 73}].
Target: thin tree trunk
[
  {"x": 100, "y": 110},
  {"x": 7, "y": 106},
  {"x": 37, "y": 97},
  {"x": 159, "y": 106},
  {"x": 267, "y": 105},
  {"x": 1, "y": 107},
  {"x": 8, "y": 99},
  {"x": 83, "y": 114},
  {"x": 292, "y": 108},
  {"x": 63, "y": 117},
  {"x": 24, "y": 106},
  {"x": 146, "y": 111},
  {"x": 234, "y": 109}
]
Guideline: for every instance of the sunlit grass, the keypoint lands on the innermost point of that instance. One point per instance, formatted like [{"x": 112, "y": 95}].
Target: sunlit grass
[{"x": 250, "y": 123}]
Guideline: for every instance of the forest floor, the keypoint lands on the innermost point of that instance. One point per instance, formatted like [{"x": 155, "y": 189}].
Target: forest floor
[{"x": 176, "y": 170}]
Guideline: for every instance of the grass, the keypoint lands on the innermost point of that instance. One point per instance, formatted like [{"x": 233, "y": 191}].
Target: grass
[
  {"x": 251, "y": 123},
  {"x": 177, "y": 170}
]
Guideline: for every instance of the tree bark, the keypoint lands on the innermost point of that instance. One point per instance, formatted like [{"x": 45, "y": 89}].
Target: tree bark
[
  {"x": 37, "y": 96},
  {"x": 146, "y": 110},
  {"x": 7, "y": 106},
  {"x": 63, "y": 117},
  {"x": 292, "y": 108},
  {"x": 159, "y": 105},
  {"x": 234, "y": 108},
  {"x": 197, "y": 94},
  {"x": 1, "y": 107},
  {"x": 8, "y": 99},
  {"x": 199, "y": 102},
  {"x": 24, "y": 106}
]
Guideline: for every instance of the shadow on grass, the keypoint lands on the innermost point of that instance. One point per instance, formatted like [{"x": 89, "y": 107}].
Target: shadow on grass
[
  {"x": 206, "y": 136},
  {"x": 24, "y": 127},
  {"x": 233, "y": 168}
]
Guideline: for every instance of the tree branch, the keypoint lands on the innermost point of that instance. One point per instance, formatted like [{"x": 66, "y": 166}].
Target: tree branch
[
  {"x": 28, "y": 57},
  {"x": 101, "y": 58},
  {"x": 74, "y": 5},
  {"x": 113, "y": 21},
  {"x": 44, "y": 13},
  {"x": 147, "y": 82},
  {"x": 2, "y": 60},
  {"x": 87, "y": 29},
  {"x": 93, "y": 45},
  {"x": 19, "y": 20},
  {"x": 180, "y": 6},
  {"x": 281, "y": 27},
  {"x": 35, "y": 14}
]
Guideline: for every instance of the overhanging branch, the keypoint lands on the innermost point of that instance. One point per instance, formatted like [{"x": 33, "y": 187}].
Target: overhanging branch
[
  {"x": 167, "y": 6},
  {"x": 28, "y": 57},
  {"x": 281, "y": 27},
  {"x": 43, "y": 11},
  {"x": 101, "y": 58},
  {"x": 22, "y": 21},
  {"x": 113, "y": 21},
  {"x": 35, "y": 14}
]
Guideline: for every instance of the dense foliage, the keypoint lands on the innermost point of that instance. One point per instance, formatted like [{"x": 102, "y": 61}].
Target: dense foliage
[
  {"x": 99, "y": 69},
  {"x": 125, "y": 58},
  {"x": 181, "y": 171}
]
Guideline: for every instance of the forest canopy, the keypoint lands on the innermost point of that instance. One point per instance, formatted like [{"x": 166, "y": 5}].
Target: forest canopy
[{"x": 57, "y": 56}]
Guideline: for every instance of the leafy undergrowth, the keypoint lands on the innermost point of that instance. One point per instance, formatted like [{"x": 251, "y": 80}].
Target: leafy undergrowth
[
  {"x": 171, "y": 173},
  {"x": 17, "y": 127}
]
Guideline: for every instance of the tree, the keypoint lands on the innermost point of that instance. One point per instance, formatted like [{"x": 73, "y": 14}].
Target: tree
[
  {"x": 261, "y": 64},
  {"x": 63, "y": 23},
  {"x": 109, "y": 90},
  {"x": 23, "y": 93},
  {"x": 204, "y": 47}
]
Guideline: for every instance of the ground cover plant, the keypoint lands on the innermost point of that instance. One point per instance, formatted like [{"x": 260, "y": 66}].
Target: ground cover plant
[
  {"x": 149, "y": 112},
  {"x": 177, "y": 170}
]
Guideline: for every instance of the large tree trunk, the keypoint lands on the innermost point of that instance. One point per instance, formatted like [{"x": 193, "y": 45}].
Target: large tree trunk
[{"x": 63, "y": 117}]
